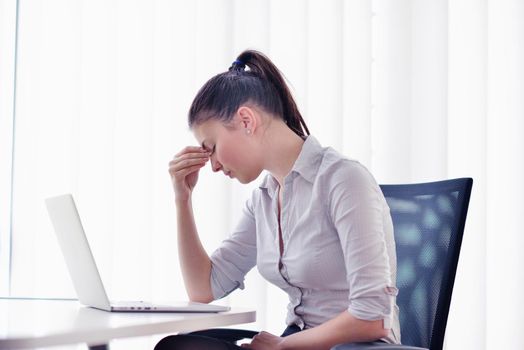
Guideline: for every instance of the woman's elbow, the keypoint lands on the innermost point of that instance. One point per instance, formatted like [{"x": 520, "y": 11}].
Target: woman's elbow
[
  {"x": 382, "y": 333},
  {"x": 369, "y": 330},
  {"x": 203, "y": 300},
  {"x": 372, "y": 334},
  {"x": 201, "y": 297},
  {"x": 378, "y": 331}
]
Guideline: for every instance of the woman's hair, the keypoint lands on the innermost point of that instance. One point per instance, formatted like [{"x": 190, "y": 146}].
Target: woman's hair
[{"x": 263, "y": 85}]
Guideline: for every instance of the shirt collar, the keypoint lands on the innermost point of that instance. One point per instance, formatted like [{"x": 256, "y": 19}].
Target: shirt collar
[{"x": 306, "y": 165}]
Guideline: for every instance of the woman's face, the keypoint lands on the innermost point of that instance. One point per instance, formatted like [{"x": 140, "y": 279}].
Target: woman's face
[{"x": 232, "y": 148}]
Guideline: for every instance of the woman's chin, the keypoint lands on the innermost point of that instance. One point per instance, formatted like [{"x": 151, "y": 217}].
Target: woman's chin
[{"x": 245, "y": 179}]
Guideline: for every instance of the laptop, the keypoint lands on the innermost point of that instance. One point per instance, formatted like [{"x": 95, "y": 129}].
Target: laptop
[{"x": 84, "y": 273}]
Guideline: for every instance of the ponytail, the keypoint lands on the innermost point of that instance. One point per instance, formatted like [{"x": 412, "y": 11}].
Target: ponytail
[
  {"x": 262, "y": 84},
  {"x": 262, "y": 66}
]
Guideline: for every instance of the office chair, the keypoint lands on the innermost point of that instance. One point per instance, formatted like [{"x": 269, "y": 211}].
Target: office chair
[{"x": 428, "y": 221}]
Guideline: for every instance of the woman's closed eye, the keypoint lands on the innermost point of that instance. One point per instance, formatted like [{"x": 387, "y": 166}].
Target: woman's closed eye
[{"x": 206, "y": 148}]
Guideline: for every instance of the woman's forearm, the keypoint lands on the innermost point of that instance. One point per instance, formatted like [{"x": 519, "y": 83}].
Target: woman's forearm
[
  {"x": 194, "y": 261},
  {"x": 345, "y": 328}
]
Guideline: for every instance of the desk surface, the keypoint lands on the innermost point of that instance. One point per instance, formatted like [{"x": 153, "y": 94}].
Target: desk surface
[{"x": 38, "y": 323}]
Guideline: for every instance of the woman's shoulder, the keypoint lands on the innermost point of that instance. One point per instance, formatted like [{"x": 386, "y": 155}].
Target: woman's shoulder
[
  {"x": 336, "y": 164},
  {"x": 336, "y": 169}
]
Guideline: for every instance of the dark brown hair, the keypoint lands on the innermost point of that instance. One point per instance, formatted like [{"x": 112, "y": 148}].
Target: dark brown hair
[{"x": 262, "y": 85}]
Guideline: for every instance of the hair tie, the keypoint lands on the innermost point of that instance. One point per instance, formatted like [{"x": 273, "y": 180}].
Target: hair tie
[{"x": 238, "y": 65}]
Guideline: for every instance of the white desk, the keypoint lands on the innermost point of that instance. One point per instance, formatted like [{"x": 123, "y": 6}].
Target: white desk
[{"x": 39, "y": 323}]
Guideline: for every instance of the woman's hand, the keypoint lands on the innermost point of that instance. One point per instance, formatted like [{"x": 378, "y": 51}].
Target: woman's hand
[
  {"x": 265, "y": 341},
  {"x": 184, "y": 169}
]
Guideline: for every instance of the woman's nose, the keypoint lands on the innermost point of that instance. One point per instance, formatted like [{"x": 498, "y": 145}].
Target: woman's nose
[{"x": 215, "y": 164}]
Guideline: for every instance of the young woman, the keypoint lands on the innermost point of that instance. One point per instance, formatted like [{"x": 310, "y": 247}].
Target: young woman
[{"x": 318, "y": 225}]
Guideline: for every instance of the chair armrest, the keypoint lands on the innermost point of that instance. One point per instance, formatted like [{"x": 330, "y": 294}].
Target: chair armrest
[{"x": 374, "y": 346}]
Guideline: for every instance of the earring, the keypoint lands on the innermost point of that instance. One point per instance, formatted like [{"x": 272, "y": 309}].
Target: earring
[{"x": 248, "y": 131}]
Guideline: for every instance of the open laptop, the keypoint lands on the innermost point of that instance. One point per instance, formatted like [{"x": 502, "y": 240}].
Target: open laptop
[{"x": 84, "y": 273}]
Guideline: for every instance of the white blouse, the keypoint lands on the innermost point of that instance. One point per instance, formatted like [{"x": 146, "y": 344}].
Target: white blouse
[{"x": 339, "y": 249}]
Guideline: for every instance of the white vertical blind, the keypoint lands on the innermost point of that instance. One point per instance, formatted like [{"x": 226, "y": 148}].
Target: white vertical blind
[
  {"x": 466, "y": 154},
  {"x": 7, "y": 83},
  {"x": 415, "y": 90},
  {"x": 429, "y": 87},
  {"x": 357, "y": 80},
  {"x": 505, "y": 171},
  {"x": 45, "y": 140},
  {"x": 324, "y": 71},
  {"x": 392, "y": 91}
]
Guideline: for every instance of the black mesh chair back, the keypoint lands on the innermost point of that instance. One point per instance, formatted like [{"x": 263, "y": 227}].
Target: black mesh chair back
[{"x": 428, "y": 221}]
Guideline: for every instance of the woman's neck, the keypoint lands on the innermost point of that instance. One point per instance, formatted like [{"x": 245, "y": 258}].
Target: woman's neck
[{"x": 283, "y": 148}]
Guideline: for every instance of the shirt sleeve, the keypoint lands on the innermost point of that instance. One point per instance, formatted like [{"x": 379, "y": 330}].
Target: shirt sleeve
[
  {"x": 235, "y": 256},
  {"x": 363, "y": 223}
]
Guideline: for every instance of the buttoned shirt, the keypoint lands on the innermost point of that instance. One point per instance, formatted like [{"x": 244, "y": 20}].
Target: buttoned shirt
[{"x": 338, "y": 245}]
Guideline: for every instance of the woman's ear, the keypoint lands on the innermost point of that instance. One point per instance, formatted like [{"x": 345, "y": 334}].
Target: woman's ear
[{"x": 248, "y": 119}]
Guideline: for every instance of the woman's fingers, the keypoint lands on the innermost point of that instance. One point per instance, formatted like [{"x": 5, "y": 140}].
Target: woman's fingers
[
  {"x": 184, "y": 168},
  {"x": 188, "y": 157},
  {"x": 190, "y": 170},
  {"x": 179, "y": 173},
  {"x": 180, "y": 164},
  {"x": 190, "y": 149}
]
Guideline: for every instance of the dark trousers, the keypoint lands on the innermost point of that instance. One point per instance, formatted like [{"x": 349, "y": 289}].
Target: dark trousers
[{"x": 212, "y": 339}]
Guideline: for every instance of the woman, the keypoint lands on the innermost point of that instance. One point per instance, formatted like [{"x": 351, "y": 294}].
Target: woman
[{"x": 318, "y": 226}]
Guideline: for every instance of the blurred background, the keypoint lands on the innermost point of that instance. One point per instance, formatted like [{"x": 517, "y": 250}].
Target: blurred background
[{"x": 94, "y": 96}]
